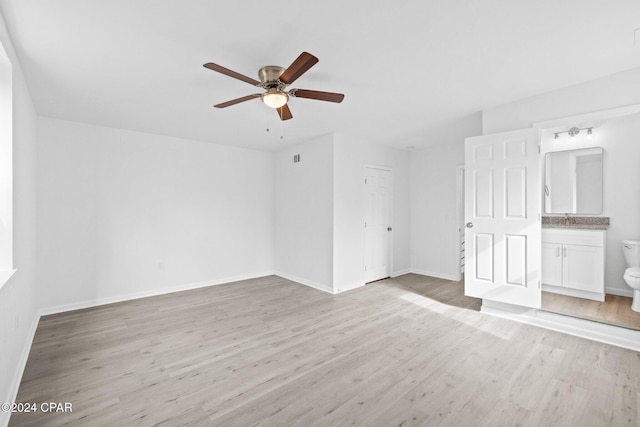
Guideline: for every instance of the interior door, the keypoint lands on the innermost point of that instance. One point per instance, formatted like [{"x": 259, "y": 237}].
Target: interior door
[
  {"x": 502, "y": 210},
  {"x": 377, "y": 223}
]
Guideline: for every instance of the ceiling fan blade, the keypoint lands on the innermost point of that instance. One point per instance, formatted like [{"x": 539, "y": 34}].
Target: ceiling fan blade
[
  {"x": 300, "y": 66},
  {"x": 237, "y": 100},
  {"x": 230, "y": 73},
  {"x": 316, "y": 94},
  {"x": 284, "y": 112}
]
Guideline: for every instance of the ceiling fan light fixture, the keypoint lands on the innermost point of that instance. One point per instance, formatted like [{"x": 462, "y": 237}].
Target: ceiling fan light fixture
[{"x": 274, "y": 98}]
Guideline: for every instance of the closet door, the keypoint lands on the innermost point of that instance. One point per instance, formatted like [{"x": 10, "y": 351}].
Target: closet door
[
  {"x": 502, "y": 211},
  {"x": 378, "y": 187}
]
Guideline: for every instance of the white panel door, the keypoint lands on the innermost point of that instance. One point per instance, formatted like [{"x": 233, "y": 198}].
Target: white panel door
[
  {"x": 502, "y": 208},
  {"x": 377, "y": 223}
]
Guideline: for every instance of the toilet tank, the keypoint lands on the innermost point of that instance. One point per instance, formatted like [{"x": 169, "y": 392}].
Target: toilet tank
[{"x": 631, "y": 249}]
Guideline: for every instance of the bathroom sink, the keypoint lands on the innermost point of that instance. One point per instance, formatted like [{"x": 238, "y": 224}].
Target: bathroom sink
[{"x": 577, "y": 222}]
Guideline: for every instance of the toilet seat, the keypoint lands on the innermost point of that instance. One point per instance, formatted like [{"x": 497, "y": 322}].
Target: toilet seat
[{"x": 633, "y": 272}]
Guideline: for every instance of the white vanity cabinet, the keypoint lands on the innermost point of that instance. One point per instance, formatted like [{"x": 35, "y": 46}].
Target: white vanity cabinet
[{"x": 573, "y": 262}]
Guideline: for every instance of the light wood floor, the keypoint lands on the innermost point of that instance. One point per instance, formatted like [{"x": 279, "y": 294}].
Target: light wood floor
[
  {"x": 406, "y": 351},
  {"x": 615, "y": 310}
]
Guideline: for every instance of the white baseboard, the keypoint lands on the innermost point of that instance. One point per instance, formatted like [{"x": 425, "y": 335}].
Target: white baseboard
[
  {"x": 620, "y": 292},
  {"x": 435, "y": 274},
  {"x": 595, "y": 331},
  {"x": 150, "y": 293},
  {"x": 347, "y": 288},
  {"x": 573, "y": 292},
  {"x": 306, "y": 282},
  {"x": 22, "y": 364},
  {"x": 401, "y": 272}
]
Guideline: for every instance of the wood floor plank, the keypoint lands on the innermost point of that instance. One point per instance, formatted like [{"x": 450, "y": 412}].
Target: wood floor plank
[
  {"x": 407, "y": 351},
  {"x": 615, "y": 309}
]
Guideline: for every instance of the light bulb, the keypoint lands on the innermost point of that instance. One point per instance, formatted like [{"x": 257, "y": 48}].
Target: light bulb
[
  {"x": 274, "y": 98},
  {"x": 589, "y": 134}
]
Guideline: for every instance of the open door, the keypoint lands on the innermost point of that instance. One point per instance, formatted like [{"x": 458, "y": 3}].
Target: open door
[{"x": 502, "y": 213}]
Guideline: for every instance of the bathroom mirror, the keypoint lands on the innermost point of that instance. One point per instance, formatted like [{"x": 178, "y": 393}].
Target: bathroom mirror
[{"x": 573, "y": 181}]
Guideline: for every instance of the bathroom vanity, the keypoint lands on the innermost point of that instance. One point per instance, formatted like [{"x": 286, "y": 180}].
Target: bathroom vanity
[
  {"x": 573, "y": 260},
  {"x": 573, "y": 247}
]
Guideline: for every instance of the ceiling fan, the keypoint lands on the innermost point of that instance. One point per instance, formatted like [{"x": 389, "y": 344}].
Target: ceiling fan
[{"x": 274, "y": 80}]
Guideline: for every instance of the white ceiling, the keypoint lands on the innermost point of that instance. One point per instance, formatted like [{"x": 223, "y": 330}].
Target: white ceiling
[{"x": 410, "y": 70}]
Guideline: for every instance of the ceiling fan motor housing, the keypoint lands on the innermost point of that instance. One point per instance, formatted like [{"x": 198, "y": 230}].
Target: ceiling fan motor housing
[{"x": 270, "y": 73}]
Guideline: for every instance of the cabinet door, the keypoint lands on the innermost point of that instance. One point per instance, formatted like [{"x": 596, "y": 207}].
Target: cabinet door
[
  {"x": 552, "y": 264},
  {"x": 583, "y": 268}
]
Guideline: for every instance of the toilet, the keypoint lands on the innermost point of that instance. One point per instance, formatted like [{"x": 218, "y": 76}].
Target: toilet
[{"x": 631, "y": 249}]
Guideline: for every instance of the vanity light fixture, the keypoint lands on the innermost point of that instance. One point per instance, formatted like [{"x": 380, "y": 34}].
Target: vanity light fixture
[{"x": 573, "y": 132}]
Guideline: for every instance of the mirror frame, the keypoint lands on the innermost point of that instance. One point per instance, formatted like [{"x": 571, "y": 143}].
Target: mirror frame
[{"x": 546, "y": 184}]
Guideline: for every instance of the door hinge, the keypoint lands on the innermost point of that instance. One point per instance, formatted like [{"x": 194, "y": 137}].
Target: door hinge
[
  {"x": 365, "y": 180},
  {"x": 538, "y": 148},
  {"x": 365, "y": 268},
  {"x": 365, "y": 224},
  {"x": 539, "y": 284}
]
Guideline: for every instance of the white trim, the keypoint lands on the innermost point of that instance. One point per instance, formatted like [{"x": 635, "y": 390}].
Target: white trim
[
  {"x": 581, "y": 118},
  {"x": 5, "y": 275},
  {"x": 435, "y": 274},
  {"x": 150, "y": 293},
  {"x": 22, "y": 364},
  {"x": 306, "y": 282},
  {"x": 348, "y": 288},
  {"x": 619, "y": 292},
  {"x": 595, "y": 331},
  {"x": 400, "y": 272},
  {"x": 460, "y": 215},
  {"x": 594, "y": 296}
]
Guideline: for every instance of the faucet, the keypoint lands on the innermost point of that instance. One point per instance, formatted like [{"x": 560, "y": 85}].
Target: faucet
[{"x": 566, "y": 219}]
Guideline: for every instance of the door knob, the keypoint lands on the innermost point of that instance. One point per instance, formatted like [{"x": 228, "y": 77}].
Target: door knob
[{"x": 469, "y": 225}]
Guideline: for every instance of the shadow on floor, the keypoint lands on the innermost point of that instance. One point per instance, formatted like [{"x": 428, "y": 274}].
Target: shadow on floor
[{"x": 444, "y": 291}]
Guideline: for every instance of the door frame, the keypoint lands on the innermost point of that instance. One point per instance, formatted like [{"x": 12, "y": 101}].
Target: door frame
[
  {"x": 460, "y": 216},
  {"x": 390, "y": 216}
]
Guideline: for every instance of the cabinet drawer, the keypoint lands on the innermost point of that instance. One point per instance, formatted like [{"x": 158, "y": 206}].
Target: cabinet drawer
[{"x": 573, "y": 237}]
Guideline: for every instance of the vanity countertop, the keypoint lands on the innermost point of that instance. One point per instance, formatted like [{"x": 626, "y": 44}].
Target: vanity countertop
[{"x": 576, "y": 222}]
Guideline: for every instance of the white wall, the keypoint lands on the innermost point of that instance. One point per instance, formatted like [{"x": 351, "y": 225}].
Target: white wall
[
  {"x": 320, "y": 210},
  {"x": 304, "y": 213},
  {"x": 620, "y": 138},
  {"x": 434, "y": 228},
  {"x": 350, "y": 157},
  {"x": 18, "y": 309},
  {"x": 125, "y": 214},
  {"x": 608, "y": 92}
]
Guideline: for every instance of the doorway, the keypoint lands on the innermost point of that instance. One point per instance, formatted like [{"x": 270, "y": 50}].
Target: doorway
[{"x": 378, "y": 190}]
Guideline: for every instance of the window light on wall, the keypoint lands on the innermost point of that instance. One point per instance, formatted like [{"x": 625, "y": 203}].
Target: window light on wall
[{"x": 6, "y": 168}]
